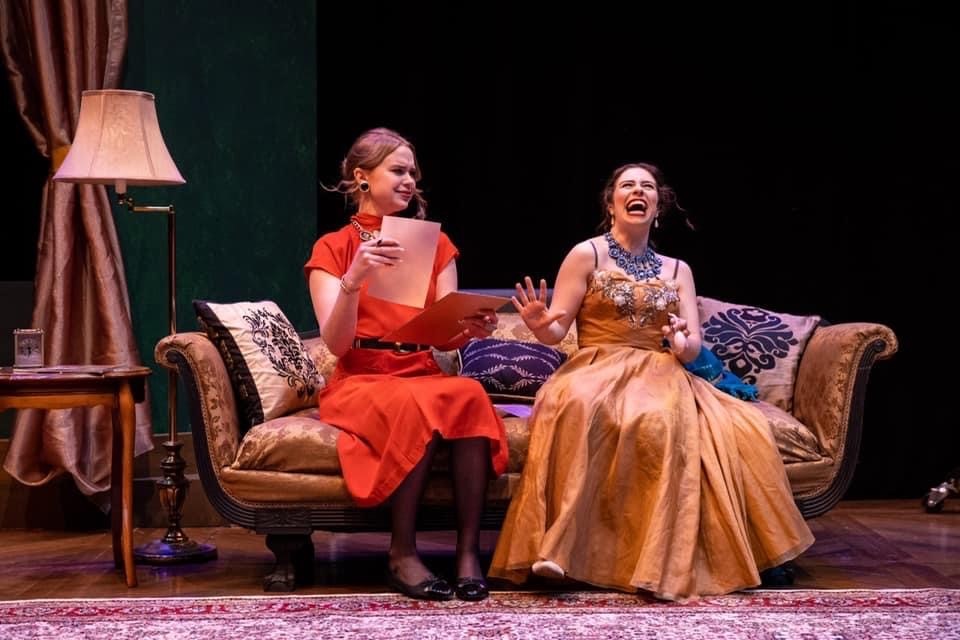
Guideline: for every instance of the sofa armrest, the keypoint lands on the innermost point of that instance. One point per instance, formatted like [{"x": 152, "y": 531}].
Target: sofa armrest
[
  {"x": 213, "y": 407},
  {"x": 831, "y": 389}
]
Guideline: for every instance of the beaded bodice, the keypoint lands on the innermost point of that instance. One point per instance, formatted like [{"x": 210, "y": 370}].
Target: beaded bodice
[{"x": 619, "y": 310}]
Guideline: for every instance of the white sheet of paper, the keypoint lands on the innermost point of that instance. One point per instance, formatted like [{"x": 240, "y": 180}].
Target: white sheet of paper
[{"x": 408, "y": 282}]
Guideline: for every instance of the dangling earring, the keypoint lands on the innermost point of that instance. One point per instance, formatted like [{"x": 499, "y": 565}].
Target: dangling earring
[
  {"x": 656, "y": 222},
  {"x": 364, "y": 186}
]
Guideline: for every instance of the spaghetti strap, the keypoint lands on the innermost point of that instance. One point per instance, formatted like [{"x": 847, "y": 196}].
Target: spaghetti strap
[
  {"x": 676, "y": 267},
  {"x": 596, "y": 258}
]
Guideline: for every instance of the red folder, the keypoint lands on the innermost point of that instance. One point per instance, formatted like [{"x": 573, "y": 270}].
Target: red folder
[{"x": 439, "y": 323}]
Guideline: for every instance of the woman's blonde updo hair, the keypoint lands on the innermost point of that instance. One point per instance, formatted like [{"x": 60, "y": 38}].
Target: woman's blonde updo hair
[{"x": 367, "y": 152}]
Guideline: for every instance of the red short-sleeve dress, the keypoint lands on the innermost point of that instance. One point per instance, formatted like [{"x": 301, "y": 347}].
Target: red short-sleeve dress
[{"x": 388, "y": 405}]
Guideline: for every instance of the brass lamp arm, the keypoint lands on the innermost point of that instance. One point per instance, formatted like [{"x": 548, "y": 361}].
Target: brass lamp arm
[{"x": 126, "y": 200}]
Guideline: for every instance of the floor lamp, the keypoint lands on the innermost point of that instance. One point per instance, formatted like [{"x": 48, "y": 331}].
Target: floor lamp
[{"x": 118, "y": 142}]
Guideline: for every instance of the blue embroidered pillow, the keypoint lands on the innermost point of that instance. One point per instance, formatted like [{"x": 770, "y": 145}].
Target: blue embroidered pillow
[
  {"x": 509, "y": 370},
  {"x": 759, "y": 346}
]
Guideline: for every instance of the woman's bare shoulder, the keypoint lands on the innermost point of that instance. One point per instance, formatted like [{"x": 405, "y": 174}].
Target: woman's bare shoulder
[
  {"x": 590, "y": 247},
  {"x": 583, "y": 254},
  {"x": 675, "y": 268}
]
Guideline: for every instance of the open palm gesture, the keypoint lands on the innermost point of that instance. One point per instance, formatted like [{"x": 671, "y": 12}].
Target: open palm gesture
[{"x": 532, "y": 305}]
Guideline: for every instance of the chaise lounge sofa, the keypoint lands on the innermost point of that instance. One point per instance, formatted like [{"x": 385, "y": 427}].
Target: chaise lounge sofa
[{"x": 281, "y": 477}]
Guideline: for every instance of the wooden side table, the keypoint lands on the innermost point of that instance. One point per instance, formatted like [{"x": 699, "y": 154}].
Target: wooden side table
[{"x": 69, "y": 386}]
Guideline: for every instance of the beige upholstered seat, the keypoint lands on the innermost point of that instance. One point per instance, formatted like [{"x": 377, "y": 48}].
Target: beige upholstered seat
[{"x": 282, "y": 478}]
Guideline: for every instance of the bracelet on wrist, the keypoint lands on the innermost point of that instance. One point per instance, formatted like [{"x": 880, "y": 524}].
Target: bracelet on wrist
[{"x": 347, "y": 290}]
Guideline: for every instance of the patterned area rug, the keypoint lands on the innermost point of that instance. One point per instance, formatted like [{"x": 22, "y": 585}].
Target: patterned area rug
[{"x": 762, "y": 615}]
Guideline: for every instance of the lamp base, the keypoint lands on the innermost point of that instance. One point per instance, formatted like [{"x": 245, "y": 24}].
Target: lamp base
[
  {"x": 175, "y": 547},
  {"x": 160, "y": 552}
]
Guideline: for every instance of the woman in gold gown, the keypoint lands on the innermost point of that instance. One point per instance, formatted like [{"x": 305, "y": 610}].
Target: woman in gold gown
[{"x": 641, "y": 475}]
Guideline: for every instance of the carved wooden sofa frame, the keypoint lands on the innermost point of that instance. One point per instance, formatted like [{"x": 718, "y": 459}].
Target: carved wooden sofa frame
[{"x": 829, "y": 398}]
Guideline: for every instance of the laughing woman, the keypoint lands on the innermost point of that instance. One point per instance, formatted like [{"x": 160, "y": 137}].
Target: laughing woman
[{"x": 641, "y": 475}]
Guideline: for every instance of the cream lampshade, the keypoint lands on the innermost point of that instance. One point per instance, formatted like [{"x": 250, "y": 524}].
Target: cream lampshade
[{"x": 118, "y": 142}]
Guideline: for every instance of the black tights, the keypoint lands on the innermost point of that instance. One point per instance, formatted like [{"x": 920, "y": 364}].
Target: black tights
[{"x": 470, "y": 461}]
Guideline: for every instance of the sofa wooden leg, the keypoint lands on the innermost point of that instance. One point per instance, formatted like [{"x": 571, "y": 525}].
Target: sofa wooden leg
[
  {"x": 294, "y": 562},
  {"x": 304, "y": 563}
]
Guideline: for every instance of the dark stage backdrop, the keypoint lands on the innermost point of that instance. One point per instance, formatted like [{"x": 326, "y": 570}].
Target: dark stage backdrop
[
  {"x": 813, "y": 148},
  {"x": 21, "y": 182}
]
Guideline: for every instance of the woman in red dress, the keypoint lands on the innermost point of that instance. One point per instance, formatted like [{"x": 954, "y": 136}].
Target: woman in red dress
[{"x": 394, "y": 406}]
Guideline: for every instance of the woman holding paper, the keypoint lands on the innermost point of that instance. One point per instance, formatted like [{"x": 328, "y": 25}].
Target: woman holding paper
[
  {"x": 392, "y": 403},
  {"x": 639, "y": 474}
]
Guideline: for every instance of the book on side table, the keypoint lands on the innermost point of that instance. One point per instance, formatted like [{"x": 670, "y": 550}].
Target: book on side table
[{"x": 85, "y": 369}]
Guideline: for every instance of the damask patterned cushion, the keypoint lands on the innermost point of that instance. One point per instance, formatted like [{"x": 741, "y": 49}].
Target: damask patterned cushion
[
  {"x": 759, "y": 346},
  {"x": 297, "y": 443},
  {"x": 322, "y": 357},
  {"x": 270, "y": 369},
  {"x": 795, "y": 442},
  {"x": 509, "y": 370}
]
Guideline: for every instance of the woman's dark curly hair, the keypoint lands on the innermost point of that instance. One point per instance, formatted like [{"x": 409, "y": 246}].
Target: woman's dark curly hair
[{"x": 666, "y": 196}]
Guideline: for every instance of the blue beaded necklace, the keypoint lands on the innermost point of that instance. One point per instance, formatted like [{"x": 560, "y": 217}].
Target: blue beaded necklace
[{"x": 641, "y": 267}]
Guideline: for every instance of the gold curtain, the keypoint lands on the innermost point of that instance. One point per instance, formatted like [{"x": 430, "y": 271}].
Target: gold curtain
[{"x": 53, "y": 50}]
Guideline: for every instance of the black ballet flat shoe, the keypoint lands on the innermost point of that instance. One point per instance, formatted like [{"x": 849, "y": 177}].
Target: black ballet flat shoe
[
  {"x": 430, "y": 589},
  {"x": 773, "y": 577},
  {"x": 472, "y": 589}
]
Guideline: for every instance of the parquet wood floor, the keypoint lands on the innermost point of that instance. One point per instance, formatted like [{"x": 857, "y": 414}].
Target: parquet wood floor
[{"x": 863, "y": 544}]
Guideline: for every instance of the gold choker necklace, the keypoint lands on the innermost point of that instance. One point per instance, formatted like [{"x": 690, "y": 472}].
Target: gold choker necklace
[{"x": 364, "y": 234}]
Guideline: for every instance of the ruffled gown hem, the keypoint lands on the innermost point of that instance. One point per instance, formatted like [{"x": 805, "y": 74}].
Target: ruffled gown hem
[{"x": 520, "y": 573}]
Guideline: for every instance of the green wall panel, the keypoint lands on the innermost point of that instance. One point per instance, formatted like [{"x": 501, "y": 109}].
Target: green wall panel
[{"x": 235, "y": 85}]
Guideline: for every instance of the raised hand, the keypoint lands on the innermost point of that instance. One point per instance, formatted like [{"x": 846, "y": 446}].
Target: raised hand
[{"x": 532, "y": 305}]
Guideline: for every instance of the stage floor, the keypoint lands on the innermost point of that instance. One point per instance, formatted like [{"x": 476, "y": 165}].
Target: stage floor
[{"x": 860, "y": 545}]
